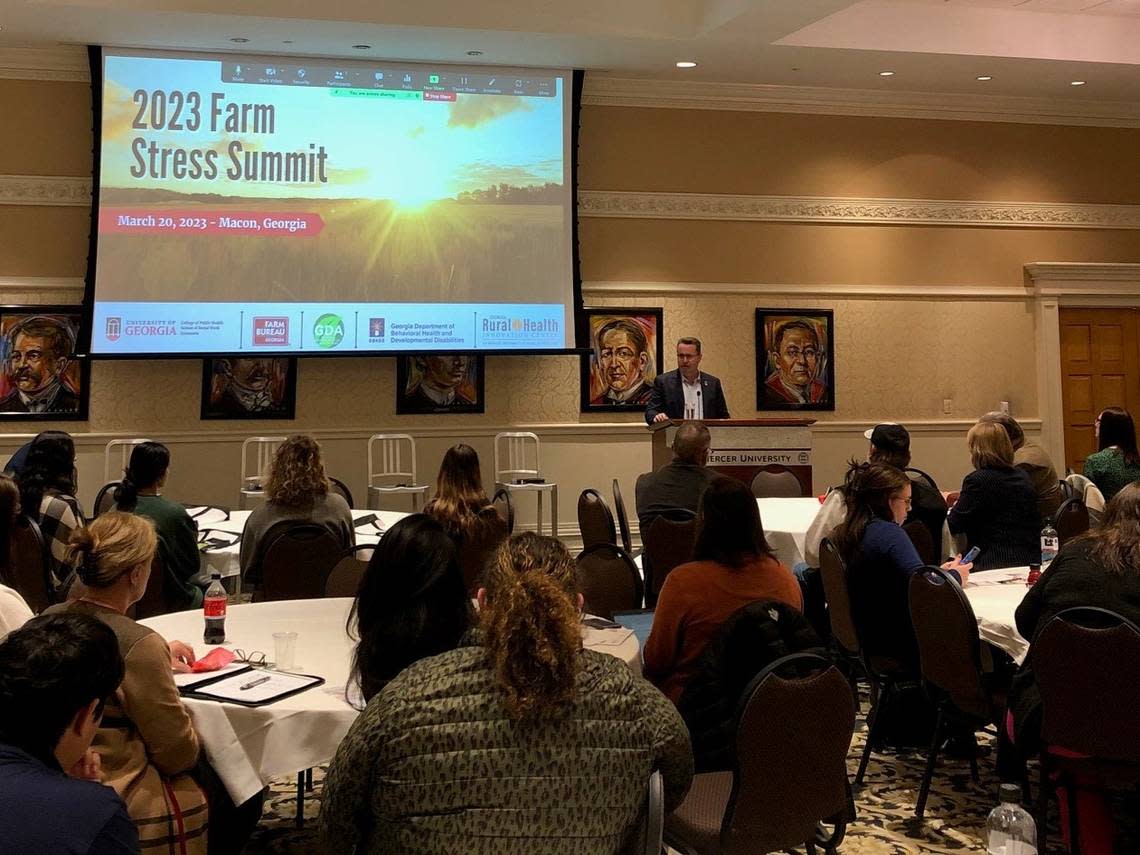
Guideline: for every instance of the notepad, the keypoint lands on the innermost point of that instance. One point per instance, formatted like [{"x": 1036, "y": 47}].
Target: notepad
[{"x": 257, "y": 688}]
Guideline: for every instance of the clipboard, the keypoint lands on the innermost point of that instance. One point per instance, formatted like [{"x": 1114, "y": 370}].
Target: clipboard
[
  {"x": 187, "y": 683},
  {"x": 228, "y": 688}
]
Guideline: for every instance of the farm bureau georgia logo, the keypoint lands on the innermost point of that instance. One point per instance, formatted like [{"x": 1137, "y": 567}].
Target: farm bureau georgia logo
[{"x": 328, "y": 331}]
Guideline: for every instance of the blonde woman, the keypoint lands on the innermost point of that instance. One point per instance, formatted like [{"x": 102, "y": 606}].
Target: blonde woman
[
  {"x": 296, "y": 490},
  {"x": 483, "y": 749},
  {"x": 997, "y": 506}
]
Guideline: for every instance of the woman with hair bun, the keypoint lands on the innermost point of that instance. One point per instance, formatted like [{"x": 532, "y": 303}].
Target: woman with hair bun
[
  {"x": 140, "y": 492},
  {"x": 519, "y": 740}
]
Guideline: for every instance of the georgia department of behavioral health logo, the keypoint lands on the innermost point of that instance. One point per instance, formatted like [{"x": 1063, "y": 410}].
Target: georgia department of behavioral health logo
[{"x": 328, "y": 331}]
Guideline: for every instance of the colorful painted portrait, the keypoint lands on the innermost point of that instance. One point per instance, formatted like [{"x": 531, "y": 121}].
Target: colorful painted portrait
[
  {"x": 439, "y": 383},
  {"x": 43, "y": 380},
  {"x": 625, "y": 356},
  {"x": 795, "y": 363},
  {"x": 249, "y": 387}
]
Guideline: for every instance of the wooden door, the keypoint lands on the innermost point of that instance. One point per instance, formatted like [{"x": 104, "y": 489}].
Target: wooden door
[{"x": 1100, "y": 367}]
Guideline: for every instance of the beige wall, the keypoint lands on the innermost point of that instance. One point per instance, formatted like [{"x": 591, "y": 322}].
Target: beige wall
[{"x": 897, "y": 356}]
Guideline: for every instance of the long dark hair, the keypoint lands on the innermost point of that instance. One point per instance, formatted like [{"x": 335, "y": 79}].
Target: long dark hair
[
  {"x": 9, "y": 510},
  {"x": 459, "y": 494},
  {"x": 867, "y": 491},
  {"x": 1116, "y": 428},
  {"x": 1116, "y": 543},
  {"x": 50, "y": 466},
  {"x": 149, "y": 462},
  {"x": 411, "y": 604},
  {"x": 729, "y": 531}
]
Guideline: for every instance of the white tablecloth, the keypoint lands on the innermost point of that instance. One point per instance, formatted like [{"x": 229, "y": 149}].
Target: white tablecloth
[
  {"x": 224, "y": 559},
  {"x": 249, "y": 746},
  {"x": 786, "y": 522},
  {"x": 995, "y": 596}
]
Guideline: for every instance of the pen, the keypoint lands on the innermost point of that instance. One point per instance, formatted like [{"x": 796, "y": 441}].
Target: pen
[{"x": 253, "y": 683}]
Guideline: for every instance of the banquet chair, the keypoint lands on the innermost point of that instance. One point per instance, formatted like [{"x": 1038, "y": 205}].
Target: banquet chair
[
  {"x": 1094, "y": 501},
  {"x": 297, "y": 560},
  {"x": 1071, "y": 520},
  {"x": 608, "y": 580},
  {"x": 800, "y": 725},
  {"x": 28, "y": 569},
  {"x": 623, "y": 522},
  {"x": 154, "y": 600},
  {"x": 341, "y": 489},
  {"x": 504, "y": 506},
  {"x": 124, "y": 447},
  {"x": 105, "y": 498},
  {"x": 515, "y": 451},
  {"x": 396, "y": 474},
  {"x": 595, "y": 521},
  {"x": 253, "y": 466},
  {"x": 647, "y": 838},
  {"x": 883, "y": 673},
  {"x": 478, "y": 546},
  {"x": 918, "y": 475},
  {"x": 668, "y": 543},
  {"x": 950, "y": 663},
  {"x": 776, "y": 482},
  {"x": 919, "y": 535},
  {"x": 344, "y": 579},
  {"x": 1086, "y": 663}
]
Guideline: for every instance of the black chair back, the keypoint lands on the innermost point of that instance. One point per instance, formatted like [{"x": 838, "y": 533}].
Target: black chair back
[
  {"x": 919, "y": 535},
  {"x": 595, "y": 521},
  {"x": 776, "y": 482},
  {"x": 622, "y": 519},
  {"x": 1072, "y": 519},
  {"x": 341, "y": 489},
  {"x": 668, "y": 544},
  {"x": 918, "y": 475},
  {"x": 608, "y": 580},
  {"x": 105, "y": 498},
  {"x": 479, "y": 545},
  {"x": 28, "y": 569},
  {"x": 839, "y": 611},
  {"x": 297, "y": 561},
  {"x": 505, "y": 507},
  {"x": 154, "y": 600},
  {"x": 344, "y": 579}
]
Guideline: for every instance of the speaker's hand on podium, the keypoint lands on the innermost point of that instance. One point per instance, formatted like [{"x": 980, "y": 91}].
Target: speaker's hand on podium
[{"x": 660, "y": 417}]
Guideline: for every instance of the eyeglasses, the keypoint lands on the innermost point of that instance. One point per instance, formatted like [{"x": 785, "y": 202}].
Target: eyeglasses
[
  {"x": 255, "y": 658},
  {"x": 906, "y": 501}
]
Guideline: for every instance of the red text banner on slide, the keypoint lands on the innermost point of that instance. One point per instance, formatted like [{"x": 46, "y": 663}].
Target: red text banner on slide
[{"x": 147, "y": 221}]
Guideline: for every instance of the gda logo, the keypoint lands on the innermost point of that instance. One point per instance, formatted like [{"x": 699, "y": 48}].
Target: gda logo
[{"x": 328, "y": 331}]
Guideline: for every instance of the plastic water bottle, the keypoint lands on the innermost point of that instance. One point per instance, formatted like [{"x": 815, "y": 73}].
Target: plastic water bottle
[
  {"x": 1010, "y": 829},
  {"x": 214, "y": 608},
  {"x": 1050, "y": 543}
]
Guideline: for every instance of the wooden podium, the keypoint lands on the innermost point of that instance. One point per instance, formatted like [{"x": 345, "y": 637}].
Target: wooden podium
[{"x": 742, "y": 447}]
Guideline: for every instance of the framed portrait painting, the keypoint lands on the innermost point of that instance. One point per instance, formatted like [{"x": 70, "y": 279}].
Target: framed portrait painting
[
  {"x": 439, "y": 383},
  {"x": 795, "y": 360},
  {"x": 43, "y": 379},
  {"x": 626, "y": 353},
  {"x": 249, "y": 387}
]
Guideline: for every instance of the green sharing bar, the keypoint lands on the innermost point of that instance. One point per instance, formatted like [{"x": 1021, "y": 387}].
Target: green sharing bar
[{"x": 397, "y": 94}]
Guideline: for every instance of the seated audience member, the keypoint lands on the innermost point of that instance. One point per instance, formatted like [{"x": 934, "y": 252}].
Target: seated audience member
[
  {"x": 56, "y": 674},
  {"x": 1034, "y": 459},
  {"x": 47, "y": 494},
  {"x": 880, "y": 560},
  {"x": 140, "y": 493},
  {"x": 679, "y": 484},
  {"x": 411, "y": 604},
  {"x": 16, "y": 462},
  {"x": 14, "y": 612},
  {"x": 296, "y": 490},
  {"x": 997, "y": 506},
  {"x": 480, "y": 750},
  {"x": 732, "y": 566},
  {"x": 890, "y": 444},
  {"x": 1117, "y": 461},
  {"x": 1100, "y": 569}
]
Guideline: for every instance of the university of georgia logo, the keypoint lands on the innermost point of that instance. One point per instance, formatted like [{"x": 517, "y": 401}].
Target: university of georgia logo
[{"x": 114, "y": 328}]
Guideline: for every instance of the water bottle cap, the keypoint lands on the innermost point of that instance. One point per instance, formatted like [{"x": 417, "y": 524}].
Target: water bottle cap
[{"x": 1010, "y": 793}]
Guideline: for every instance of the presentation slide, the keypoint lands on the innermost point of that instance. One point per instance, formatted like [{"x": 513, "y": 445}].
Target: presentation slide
[{"x": 274, "y": 205}]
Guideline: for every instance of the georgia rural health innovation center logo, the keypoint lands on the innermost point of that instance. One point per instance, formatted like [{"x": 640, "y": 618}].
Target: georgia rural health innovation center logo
[{"x": 328, "y": 331}]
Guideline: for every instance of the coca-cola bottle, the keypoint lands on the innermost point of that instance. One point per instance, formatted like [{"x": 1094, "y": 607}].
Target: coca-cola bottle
[{"x": 214, "y": 608}]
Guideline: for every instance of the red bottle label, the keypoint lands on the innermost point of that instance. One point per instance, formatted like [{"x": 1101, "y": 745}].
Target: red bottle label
[{"x": 215, "y": 607}]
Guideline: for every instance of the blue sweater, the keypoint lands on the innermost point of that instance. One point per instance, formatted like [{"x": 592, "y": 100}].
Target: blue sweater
[{"x": 43, "y": 810}]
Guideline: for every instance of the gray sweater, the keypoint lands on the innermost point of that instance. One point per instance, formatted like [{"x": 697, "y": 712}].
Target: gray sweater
[{"x": 329, "y": 510}]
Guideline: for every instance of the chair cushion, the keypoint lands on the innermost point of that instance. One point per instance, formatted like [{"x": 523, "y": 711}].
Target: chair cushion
[{"x": 697, "y": 820}]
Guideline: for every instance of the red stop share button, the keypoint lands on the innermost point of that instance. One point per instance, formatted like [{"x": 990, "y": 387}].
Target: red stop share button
[{"x": 150, "y": 221}]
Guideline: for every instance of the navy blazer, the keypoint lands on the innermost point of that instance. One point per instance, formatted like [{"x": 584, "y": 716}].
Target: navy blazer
[{"x": 668, "y": 398}]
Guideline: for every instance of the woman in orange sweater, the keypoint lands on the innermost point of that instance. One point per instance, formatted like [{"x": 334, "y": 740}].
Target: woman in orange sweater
[{"x": 732, "y": 567}]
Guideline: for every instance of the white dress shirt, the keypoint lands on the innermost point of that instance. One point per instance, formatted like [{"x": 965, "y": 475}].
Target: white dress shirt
[{"x": 694, "y": 407}]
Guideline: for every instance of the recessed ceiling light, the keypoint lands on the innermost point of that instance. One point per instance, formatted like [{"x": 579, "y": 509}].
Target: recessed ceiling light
[
  {"x": 474, "y": 53},
  {"x": 686, "y": 63},
  {"x": 886, "y": 74},
  {"x": 1077, "y": 83},
  {"x": 984, "y": 77},
  {"x": 362, "y": 47},
  {"x": 238, "y": 40}
]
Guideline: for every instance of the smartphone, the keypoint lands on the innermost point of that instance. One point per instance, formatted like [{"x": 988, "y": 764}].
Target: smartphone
[{"x": 969, "y": 557}]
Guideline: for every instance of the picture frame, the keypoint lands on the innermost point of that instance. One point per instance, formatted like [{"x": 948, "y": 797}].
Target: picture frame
[
  {"x": 42, "y": 378},
  {"x": 795, "y": 359},
  {"x": 249, "y": 387},
  {"x": 440, "y": 383},
  {"x": 626, "y": 355}
]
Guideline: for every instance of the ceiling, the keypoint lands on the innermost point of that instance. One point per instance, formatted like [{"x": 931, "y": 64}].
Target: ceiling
[{"x": 1028, "y": 47}]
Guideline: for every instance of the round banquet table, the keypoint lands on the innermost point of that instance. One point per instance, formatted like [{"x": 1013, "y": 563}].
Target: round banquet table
[
  {"x": 250, "y": 745},
  {"x": 786, "y": 523},
  {"x": 995, "y": 595}
]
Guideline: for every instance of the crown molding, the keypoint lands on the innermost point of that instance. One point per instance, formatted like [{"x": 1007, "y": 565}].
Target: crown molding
[
  {"x": 66, "y": 63},
  {"x": 46, "y": 190},
  {"x": 804, "y": 290},
  {"x": 58, "y": 289},
  {"x": 1045, "y": 271},
  {"x": 755, "y": 97},
  {"x": 1085, "y": 284},
  {"x": 843, "y": 209}
]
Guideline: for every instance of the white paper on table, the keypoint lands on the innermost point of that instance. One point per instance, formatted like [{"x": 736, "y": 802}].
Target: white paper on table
[
  {"x": 996, "y": 577},
  {"x": 185, "y": 681},
  {"x": 204, "y": 517},
  {"x": 275, "y": 683},
  {"x": 607, "y": 637}
]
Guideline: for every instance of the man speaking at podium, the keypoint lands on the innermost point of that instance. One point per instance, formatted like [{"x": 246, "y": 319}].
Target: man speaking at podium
[{"x": 686, "y": 393}]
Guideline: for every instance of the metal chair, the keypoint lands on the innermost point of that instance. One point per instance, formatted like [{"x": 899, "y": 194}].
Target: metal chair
[
  {"x": 595, "y": 521},
  {"x": 623, "y": 522},
  {"x": 668, "y": 544},
  {"x": 125, "y": 447},
  {"x": 28, "y": 569},
  {"x": 608, "y": 580},
  {"x": 341, "y": 489},
  {"x": 504, "y": 506},
  {"x": 790, "y": 778},
  {"x": 514, "y": 452},
  {"x": 776, "y": 482},
  {"x": 344, "y": 579},
  {"x": 253, "y": 467},
  {"x": 1072, "y": 519},
  {"x": 297, "y": 560},
  {"x": 918, "y": 475},
  {"x": 105, "y": 498},
  {"x": 397, "y": 473}
]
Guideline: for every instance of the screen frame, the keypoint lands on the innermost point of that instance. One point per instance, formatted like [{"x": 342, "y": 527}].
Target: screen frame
[{"x": 87, "y": 314}]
